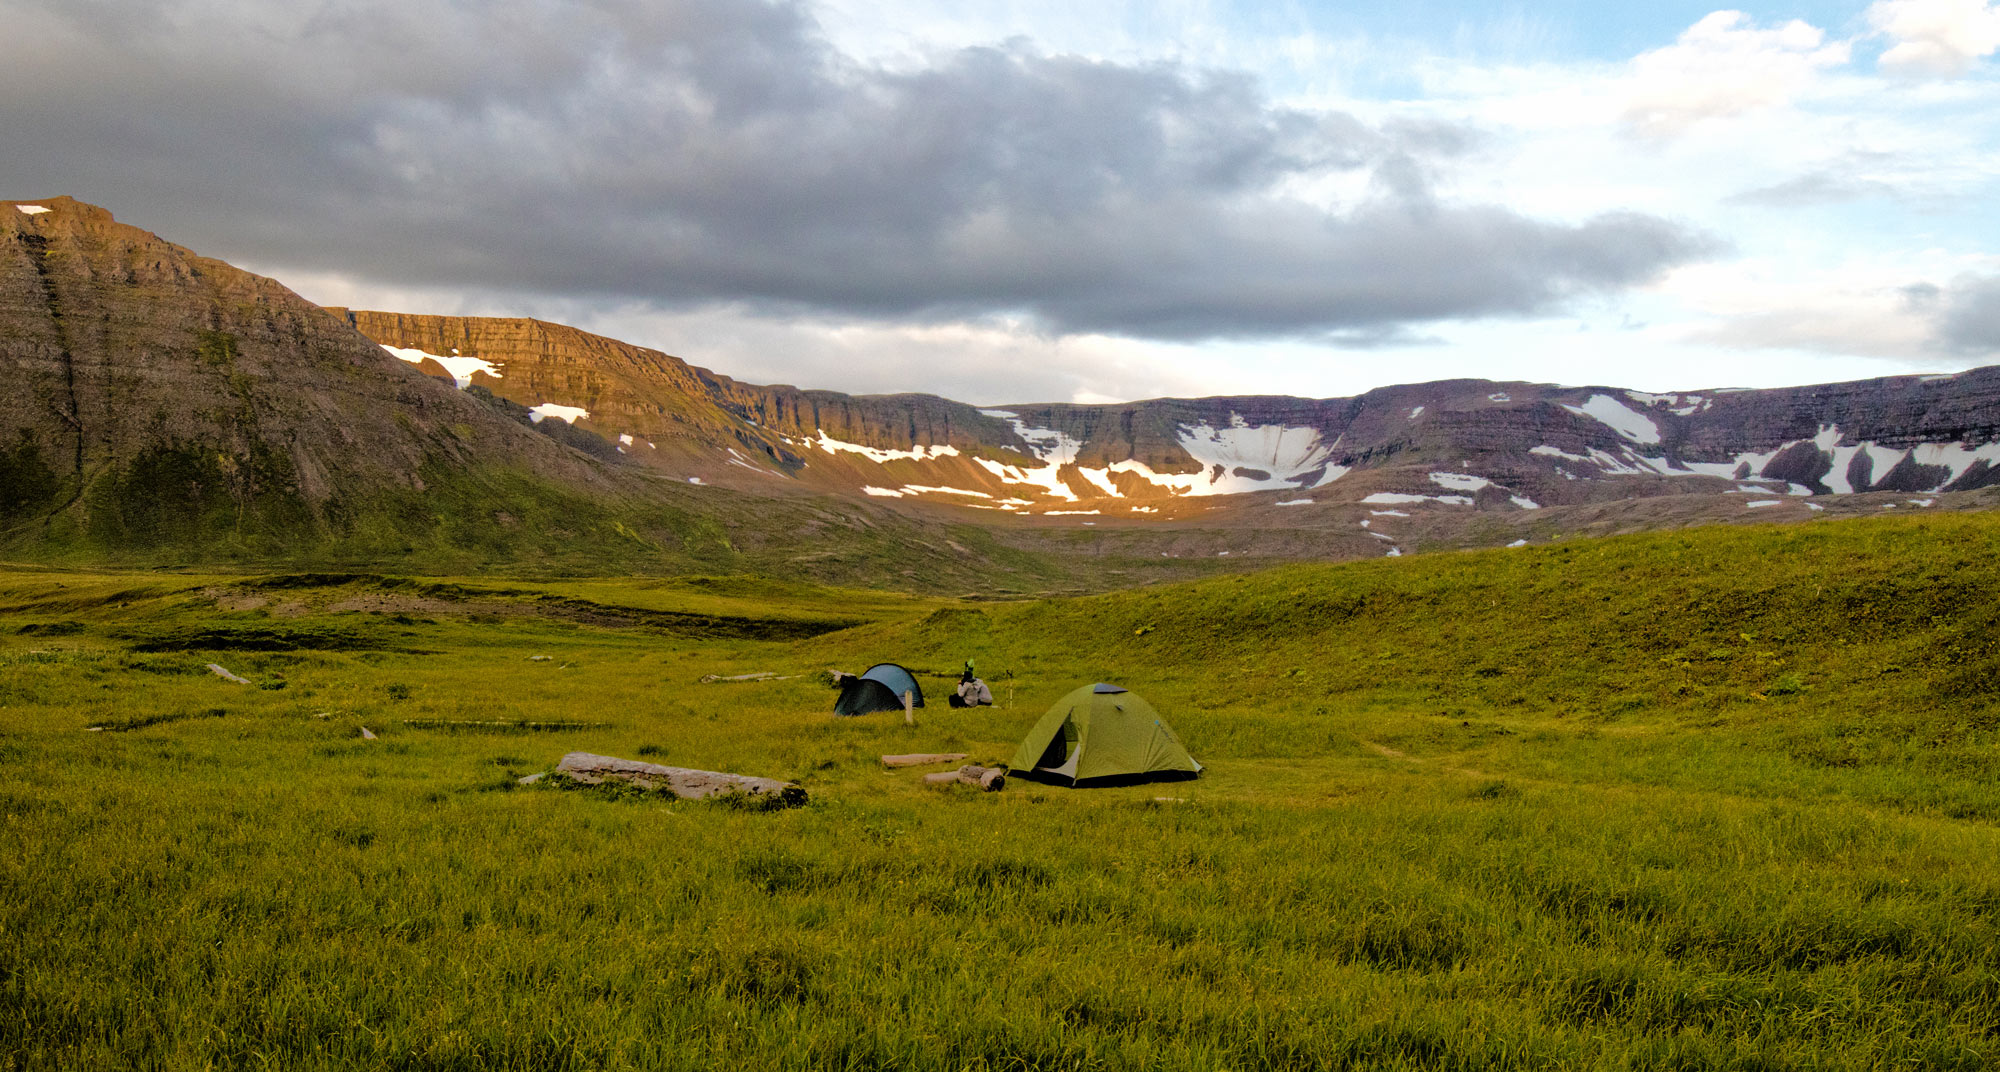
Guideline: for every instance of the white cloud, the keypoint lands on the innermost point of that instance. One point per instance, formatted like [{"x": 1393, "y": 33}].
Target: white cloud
[
  {"x": 1935, "y": 37},
  {"x": 1723, "y": 66},
  {"x": 1879, "y": 307}
]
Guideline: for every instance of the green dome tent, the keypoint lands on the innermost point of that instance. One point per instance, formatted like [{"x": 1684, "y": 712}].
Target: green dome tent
[{"x": 1102, "y": 735}]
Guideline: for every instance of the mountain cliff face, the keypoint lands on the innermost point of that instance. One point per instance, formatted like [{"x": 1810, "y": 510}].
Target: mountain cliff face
[
  {"x": 151, "y": 397},
  {"x": 157, "y": 406},
  {"x": 155, "y": 401},
  {"x": 1458, "y": 444}
]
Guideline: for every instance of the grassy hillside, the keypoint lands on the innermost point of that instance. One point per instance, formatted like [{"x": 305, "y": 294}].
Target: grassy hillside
[
  {"x": 1711, "y": 799},
  {"x": 1848, "y": 644}
]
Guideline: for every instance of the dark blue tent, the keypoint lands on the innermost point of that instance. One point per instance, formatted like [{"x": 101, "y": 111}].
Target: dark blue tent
[{"x": 879, "y": 688}]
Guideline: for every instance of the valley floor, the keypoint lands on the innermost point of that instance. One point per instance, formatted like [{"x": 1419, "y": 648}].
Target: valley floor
[{"x": 1453, "y": 818}]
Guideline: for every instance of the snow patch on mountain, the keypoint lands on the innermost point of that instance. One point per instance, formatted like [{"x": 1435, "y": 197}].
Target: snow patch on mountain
[
  {"x": 917, "y": 452},
  {"x": 1237, "y": 458},
  {"x": 1048, "y": 446},
  {"x": 1100, "y": 479},
  {"x": 1048, "y": 477},
  {"x": 461, "y": 368},
  {"x": 572, "y": 414},
  {"x": 1619, "y": 417},
  {"x": 1460, "y": 481},
  {"x": 743, "y": 462},
  {"x": 1230, "y": 455},
  {"x": 1397, "y": 498},
  {"x": 1524, "y": 502},
  {"x": 1679, "y": 405},
  {"x": 31, "y": 210},
  {"x": 1954, "y": 458}
]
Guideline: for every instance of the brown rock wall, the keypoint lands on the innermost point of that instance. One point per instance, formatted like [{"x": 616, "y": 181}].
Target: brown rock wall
[{"x": 118, "y": 349}]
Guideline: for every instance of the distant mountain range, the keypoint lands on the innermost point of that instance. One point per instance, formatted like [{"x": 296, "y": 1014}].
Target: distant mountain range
[
  {"x": 1469, "y": 443},
  {"x": 155, "y": 398}
]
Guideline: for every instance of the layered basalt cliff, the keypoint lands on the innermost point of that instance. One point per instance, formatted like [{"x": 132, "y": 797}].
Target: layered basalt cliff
[
  {"x": 1457, "y": 442},
  {"x": 149, "y": 395}
]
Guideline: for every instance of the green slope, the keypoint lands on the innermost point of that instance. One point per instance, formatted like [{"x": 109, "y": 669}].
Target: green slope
[{"x": 1686, "y": 622}]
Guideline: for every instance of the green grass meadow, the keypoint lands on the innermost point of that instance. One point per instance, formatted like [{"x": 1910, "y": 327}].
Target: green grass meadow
[{"x": 1713, "y": 799}]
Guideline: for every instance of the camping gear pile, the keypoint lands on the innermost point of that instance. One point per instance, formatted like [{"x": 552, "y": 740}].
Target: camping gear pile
[
  {"x": 972, "y": 692},
  {"x": 1098, "y": 735}
]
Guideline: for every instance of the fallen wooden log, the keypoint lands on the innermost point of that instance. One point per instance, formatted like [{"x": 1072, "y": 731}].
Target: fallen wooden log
[
  {"x": 762, "y": 675},
  {"x": 680, "y": 781},
  {"x": 226, "y": 675},
  {"x": 991, "y": 779},
  {"x": 920, "y": 759}
]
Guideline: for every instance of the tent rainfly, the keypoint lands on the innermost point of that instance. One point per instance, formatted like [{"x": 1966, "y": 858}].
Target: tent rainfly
[
  {"x": 1102, "y": 735},
  {"x": 878, "y": 688}
]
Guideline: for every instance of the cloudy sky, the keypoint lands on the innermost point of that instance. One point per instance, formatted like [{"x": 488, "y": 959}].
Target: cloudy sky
[{"x": 1024, "y": 200}]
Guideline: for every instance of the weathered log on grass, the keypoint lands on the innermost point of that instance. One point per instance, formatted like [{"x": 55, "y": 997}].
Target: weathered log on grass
[
  {"x": 991, "y": 779},
  {"x": 921, "y": 759},
  {"x": 225, "y": 675},
  {"x": 680, "y": 781}
]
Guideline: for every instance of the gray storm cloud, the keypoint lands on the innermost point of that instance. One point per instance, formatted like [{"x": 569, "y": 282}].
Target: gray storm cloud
[
  {"x": 701, "y": 151},
  {"x": 1968, "y": 320}
]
